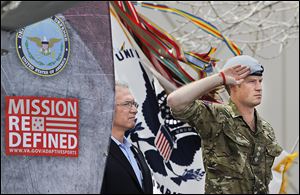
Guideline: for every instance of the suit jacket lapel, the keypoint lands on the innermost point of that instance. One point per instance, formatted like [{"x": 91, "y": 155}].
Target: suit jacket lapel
[
  {"x": 147, "y": 184},
  {"x": 116, "y": 153}
]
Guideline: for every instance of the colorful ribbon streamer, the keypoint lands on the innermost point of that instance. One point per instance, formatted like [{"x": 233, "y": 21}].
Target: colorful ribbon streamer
[
  {"x": 201, "y": 23},
  {"x": 161, "y": 48}
]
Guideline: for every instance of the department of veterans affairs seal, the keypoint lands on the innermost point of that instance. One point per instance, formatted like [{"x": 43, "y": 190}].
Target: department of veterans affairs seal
[{"x": 44, "y": 47}]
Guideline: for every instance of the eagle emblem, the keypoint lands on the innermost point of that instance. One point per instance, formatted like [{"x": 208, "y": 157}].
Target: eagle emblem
[{"x": 44, "y": 45}]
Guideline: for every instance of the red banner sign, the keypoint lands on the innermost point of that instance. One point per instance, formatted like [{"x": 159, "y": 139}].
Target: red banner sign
[{"x": 41, "y": 126}]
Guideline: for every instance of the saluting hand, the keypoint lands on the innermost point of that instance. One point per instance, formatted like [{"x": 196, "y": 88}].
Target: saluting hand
[{"x": 236, "y": 74}]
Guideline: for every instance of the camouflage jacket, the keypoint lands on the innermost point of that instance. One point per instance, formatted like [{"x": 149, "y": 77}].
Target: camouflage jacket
[{"x": 236, "y": 159}]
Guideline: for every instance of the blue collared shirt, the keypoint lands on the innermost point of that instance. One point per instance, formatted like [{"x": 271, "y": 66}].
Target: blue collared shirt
[{"x": 125, "y": 148}]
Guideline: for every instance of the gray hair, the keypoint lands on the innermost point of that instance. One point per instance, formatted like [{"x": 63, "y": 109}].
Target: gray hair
[{"x": 121, "y": 84}]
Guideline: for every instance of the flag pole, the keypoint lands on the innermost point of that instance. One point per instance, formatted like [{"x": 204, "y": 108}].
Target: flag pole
[{"x": 295, "y": 145}]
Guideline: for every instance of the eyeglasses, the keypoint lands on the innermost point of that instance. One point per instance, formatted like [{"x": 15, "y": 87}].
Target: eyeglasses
[{"x": 129, "y": 104}]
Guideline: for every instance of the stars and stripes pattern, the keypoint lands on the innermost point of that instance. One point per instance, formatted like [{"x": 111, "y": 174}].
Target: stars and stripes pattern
[
  {"x": 164, "y": 143},
  {"x": 55, "y": 124},
  {"x": 61, "y": 125}
]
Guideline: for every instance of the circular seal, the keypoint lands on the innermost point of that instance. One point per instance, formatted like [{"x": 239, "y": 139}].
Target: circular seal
[{"x": 44, "y": 47}]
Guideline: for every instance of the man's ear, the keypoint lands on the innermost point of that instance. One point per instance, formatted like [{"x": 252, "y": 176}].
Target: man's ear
[{"x": 233, "y": 88}]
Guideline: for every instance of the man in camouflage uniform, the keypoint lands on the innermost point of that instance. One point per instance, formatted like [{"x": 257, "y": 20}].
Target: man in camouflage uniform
[{"x": 238, "y": 146}]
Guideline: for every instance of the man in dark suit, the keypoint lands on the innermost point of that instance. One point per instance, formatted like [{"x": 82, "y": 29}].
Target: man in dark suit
[{"x": 126, "y": 171}]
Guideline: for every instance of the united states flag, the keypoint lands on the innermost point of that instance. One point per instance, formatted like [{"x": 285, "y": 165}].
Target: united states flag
[
  {"x": 62, "y": 125},
  {"x": 55, "y": 124},
  {"x": 164, "y": 143}
]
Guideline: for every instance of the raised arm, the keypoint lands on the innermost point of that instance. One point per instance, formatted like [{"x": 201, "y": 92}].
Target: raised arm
[{"x": 185, "y": 95}]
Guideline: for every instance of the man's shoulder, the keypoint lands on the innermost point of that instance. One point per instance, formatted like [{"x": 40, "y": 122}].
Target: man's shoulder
[
  {"x": 267, "y": 129},
  {"x": 214, "y": 105},
  {"x": 222, "y": 112},
  {"x": 266, "y": 125}
]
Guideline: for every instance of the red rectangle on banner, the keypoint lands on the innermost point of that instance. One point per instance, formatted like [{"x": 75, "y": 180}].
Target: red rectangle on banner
[{"x": 41, "y": 126}]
